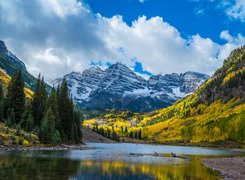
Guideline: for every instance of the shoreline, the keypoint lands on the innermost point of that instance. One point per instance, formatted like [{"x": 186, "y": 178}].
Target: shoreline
[
  {"x": 82, "y": 146},
  {"x": 229, "y": 168},
  {"x": 43, "y": 148},
  {"x": 237, "y": 147}
]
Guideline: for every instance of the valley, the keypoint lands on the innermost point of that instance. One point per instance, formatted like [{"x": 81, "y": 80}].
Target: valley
[
  {"x": 199, "y": 111},
  {"x": 214, "y": 113},
  {"x": 122, "y": 90}
]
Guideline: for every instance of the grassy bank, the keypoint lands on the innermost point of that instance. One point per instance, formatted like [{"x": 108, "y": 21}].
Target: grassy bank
[{"x": 11, "y": 136}]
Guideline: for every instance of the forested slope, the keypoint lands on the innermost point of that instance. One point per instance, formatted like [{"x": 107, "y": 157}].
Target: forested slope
[{"x": 215, "y": 112}]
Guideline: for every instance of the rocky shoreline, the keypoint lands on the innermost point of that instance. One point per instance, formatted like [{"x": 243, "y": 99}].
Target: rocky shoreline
[
  {"x": 230, "y": 168},
  {"x": 43, "y": 148}
]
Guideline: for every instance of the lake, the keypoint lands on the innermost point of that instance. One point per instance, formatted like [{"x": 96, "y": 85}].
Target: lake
[{"x": 111, "y": 161}]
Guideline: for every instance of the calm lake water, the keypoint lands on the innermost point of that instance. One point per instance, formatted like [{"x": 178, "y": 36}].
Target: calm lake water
[{"x": 110, "y": 161}]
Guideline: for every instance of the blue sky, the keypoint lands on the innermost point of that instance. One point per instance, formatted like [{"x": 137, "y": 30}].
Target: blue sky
[
  {"x": 150, "y": 37},
  {"x": 189, "y": 17}
]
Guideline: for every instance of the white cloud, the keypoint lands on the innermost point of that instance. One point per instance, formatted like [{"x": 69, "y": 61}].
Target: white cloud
[
  {"x": 161, "y": 48},
  {"x": 63, "y": 8},
  {"x": 237, "y": 10},
  {"x": 58, "y": 37}
]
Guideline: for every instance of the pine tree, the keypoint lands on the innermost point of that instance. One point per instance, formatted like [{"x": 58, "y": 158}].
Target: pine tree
[
  {"x": 16, "y": 96},
  {"x": 47, "y": 129},
  {"x": 56, "y": 138},
  {"x": 39, "y": 101},
  {"x": 65, "y": 109},
  {"x": 10, "y": 118},
  {"x": 52, "y": 102},
  {"x": 27, "y": 121},
  {"x": 76, "y": 130}
]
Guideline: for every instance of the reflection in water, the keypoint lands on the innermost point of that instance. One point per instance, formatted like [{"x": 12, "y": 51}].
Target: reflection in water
[
  {"x": 122, "y": 170},
  {"x": 18, "y": 167}
]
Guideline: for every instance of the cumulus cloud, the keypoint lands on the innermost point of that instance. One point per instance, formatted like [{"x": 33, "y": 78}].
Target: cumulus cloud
[
  {"x": 57, "y": 37},
  {"x": 31, "y": 29},
  {"x": 237, "y": 10},
  {"x": 161, "y": 48},
  {"x": 63, "y": 8}
]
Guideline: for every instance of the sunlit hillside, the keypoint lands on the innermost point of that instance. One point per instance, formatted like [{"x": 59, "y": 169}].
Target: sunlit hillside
[
  {"x": 214, "y": 113},
  {"x": 11, "y": 136},
  {"x": 5, "y": 79}
]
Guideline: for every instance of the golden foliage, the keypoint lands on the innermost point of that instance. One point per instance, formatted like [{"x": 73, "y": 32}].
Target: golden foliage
[{"x": 5, "y": 79}]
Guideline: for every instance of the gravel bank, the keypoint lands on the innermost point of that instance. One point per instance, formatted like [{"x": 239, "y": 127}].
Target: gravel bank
[
  {"x": 91, "y": 136},
  {"x": 230, "y": 168}
]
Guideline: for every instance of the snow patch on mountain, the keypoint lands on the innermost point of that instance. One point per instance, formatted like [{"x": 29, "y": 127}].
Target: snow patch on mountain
[
  {"x": 120, "y": 87},
  {"x": 178, "y": 93}
]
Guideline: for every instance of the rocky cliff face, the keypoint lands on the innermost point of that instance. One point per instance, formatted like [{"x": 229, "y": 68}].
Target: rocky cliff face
[
  {"x": 10, "y": 63},
  {"x": 119, "y": 87}
]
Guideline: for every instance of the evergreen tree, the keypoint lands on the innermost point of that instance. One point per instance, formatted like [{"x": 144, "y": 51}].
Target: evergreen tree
[
  {"x": 16, "y": 96},
  {"x": 10, "y": 118},
  {"x": 47, "y": 129},
  {"x": 39, "y": 101},
  {"x": 56, "y": 138},
  {"x": 76, "y": 126},
  {"x": 65, "y": 109},
  {"x": 52, "y": 102},
  {"x": 27, "y": 121}
]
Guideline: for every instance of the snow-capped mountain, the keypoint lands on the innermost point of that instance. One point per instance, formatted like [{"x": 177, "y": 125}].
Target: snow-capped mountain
[{"x": 119, "y": 87}]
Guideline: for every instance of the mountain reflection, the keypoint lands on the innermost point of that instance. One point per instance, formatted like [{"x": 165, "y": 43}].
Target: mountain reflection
[
  {"x": 16, "y": 167},
  {"x": 123, "y": 170}
]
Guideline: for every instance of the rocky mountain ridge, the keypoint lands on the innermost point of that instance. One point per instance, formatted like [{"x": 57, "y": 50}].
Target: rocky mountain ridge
[
  {"x": 10, "y": 63},
  {"x": 119, "y": 87}
]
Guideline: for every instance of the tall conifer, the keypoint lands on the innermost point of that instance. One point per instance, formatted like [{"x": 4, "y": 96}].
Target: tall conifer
[
  {"x": 39, "y": 101},
  {"x": 16, "y": 96},
  {"x": 64, "y": 110}
]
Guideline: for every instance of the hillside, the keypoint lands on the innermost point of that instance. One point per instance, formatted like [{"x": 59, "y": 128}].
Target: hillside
[
  {"x": 10, "y": 63},
  {"x": 214, "y": 113},
  {"x": 11, "y": 136},
  {"x": 5, "y": 79},
  {"x": 91, "y": 136}
]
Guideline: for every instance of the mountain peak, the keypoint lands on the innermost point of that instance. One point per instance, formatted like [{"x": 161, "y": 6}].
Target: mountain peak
[
  {"x": 95, "y": 68},
  {"x": 120, "y": 87},
  {"x": 3, "y": 48},
  {"x": 118, "y": 66}
]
